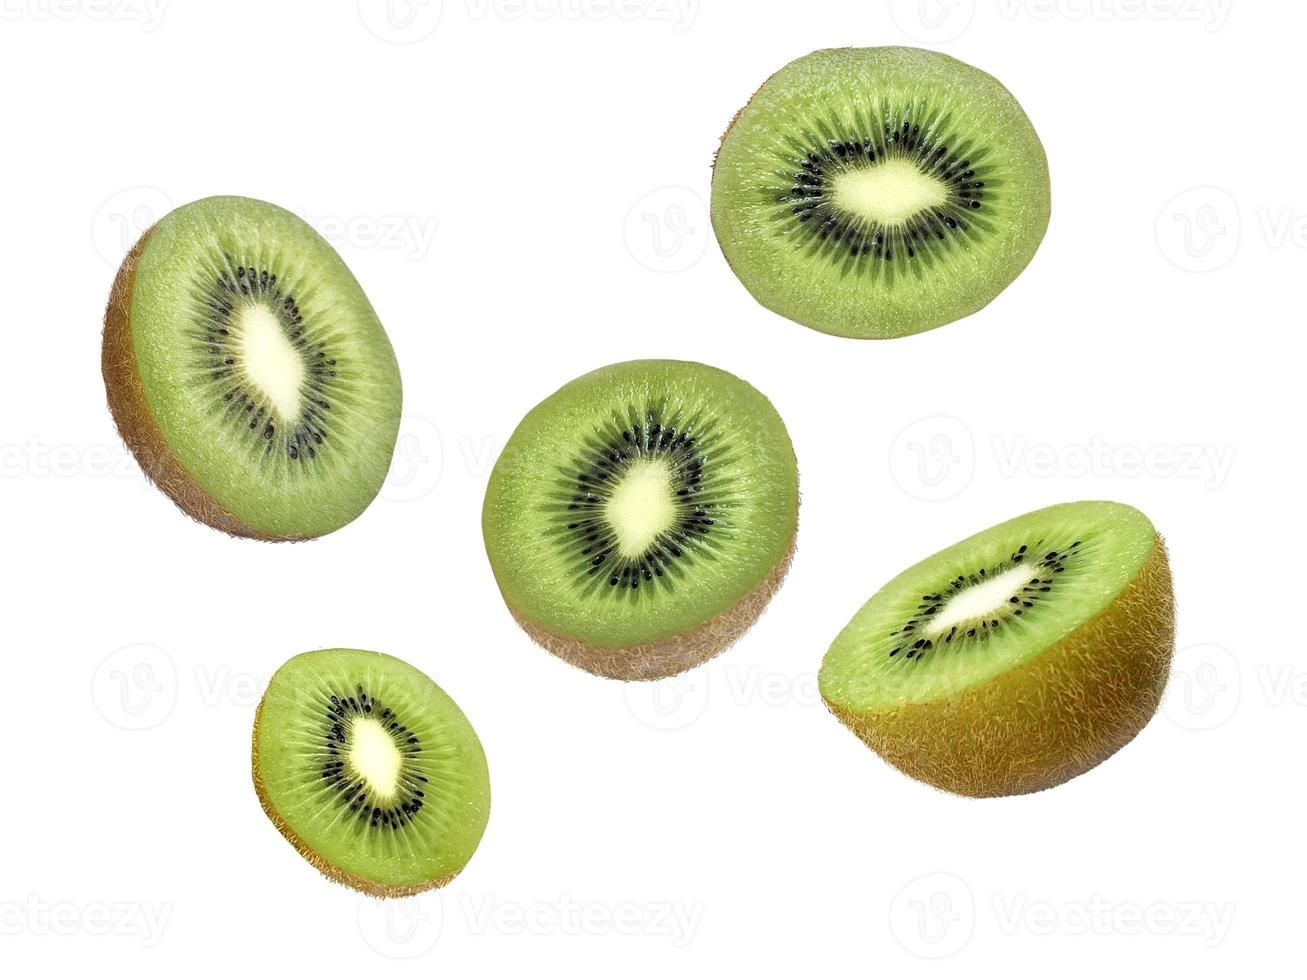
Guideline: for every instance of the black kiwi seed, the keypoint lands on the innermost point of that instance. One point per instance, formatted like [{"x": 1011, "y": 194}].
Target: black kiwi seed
[
  {"x": 1044, "y": 575},
  {"x": 808, "y": 215},
  {"x": 350, "y": 788},
  {"x": 587, "y": 483},
  {"x": 217, "y": 303}
]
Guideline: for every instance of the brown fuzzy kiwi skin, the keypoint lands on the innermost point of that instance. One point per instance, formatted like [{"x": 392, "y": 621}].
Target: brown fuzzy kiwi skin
[
  {"x": 137, "y": 424},
  {"x": 329, "y": 870},
  {"x": 670, "y": 655},
  {"x": 1051, "y": 719}
]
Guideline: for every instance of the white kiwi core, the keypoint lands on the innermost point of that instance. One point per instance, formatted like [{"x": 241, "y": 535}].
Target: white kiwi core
[
  {"x": 269, "y": 360},
  {"x": 641, "y": 506},
  {"x": 374, "y": 755},
  {"x": 982, "y": 600},
  {"x": 888, "y": 192}
]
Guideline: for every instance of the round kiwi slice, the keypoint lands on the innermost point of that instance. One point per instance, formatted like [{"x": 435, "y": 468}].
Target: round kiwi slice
[
  {"x": 878, "y": 192},
  {"x": 370, "y": 770},
  {"x": 248, "y": 373},
  {"x": 640, "y": 518},
  {"x": 1016, "y": 659}
]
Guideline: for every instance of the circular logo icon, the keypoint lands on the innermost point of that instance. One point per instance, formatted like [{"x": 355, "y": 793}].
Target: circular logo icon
[
  {"x": 125, "y": 217},
  {"x": 934, "y": 458},
  {"x": 135, "y": 688},
  {"x": 1199, "y": 229},
  {"x": 401, "y": 21},
  {"x": 1205, "y": 687},
  {"x": 418, "y": 463},
  {"x": 667, "y": 229},
  {"x": 932, "y": 21},
  {"x": 401, "y": 928},
  {"x": 933, "y": 916},
  {"x": 671, "y": 703}
]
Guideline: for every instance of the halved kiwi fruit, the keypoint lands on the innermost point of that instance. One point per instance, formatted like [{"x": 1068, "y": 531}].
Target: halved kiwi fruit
[
  {"x": 1016, "y": 659},
  {"x": 641, "y": 517},
  {"x": 248, "y": 373},
  {"x": 370, "y": 770},
  {"x": 878, "y": 192}
]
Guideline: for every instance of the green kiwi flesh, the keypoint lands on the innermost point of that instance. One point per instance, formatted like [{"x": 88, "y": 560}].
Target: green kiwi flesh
[
  {"x": 248, "y": 373},
  {"x": 879, "y": 192},
  {"x": 1016, "y": 659},
  {"x": 640, "y": 518},
  {"x": 370, "y": 770}
]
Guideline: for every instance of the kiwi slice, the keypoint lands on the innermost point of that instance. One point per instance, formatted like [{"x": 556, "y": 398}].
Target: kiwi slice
[
  {"x": 641, "y": 517},
  {"x": 878, "y": 192},
  {"x": 370, "y": 770},
  {"x": 1016, "y": 659},
  {"x": 248, "y": 373}
]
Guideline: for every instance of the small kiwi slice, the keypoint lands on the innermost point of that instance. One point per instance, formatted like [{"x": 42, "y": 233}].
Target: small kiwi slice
[
  {"x": 878, "y": 192},
  {"x": 641, "y": 517},
  {"x": 370, "y": 770},
  {"x": 1016, "y": 659},
  {"x": 248, "y": 373}
]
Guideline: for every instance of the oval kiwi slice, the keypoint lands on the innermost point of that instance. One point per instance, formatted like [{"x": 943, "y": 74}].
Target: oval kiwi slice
[
  {"x": 248, "y": 373},
  {"x": 878, "y": 192},
  {"x": 641, "y": 517},
  {"x": 1016, "y": 659},
  {"x": 370, "y": 770}
]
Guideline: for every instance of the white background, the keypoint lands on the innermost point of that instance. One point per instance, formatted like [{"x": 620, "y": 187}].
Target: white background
[{"x": 521, "y": 188}]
